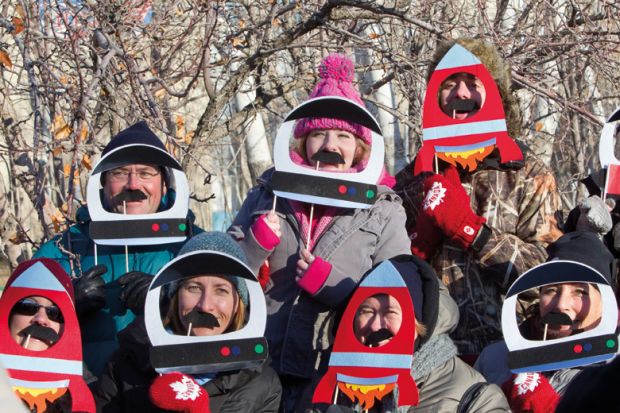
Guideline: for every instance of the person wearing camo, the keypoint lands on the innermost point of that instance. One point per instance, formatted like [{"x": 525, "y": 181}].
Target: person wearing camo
[{"x": 478, "y": 219}]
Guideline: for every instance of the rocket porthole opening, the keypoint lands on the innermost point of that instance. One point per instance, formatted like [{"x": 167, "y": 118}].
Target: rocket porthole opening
[
  {"x": 377, "y": 320},
  {"x": 461, "y": 95},
  {"x": 36, "y": 323}
]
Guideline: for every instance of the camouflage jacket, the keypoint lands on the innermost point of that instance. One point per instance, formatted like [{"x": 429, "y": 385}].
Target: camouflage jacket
[{"x": 520, "y": 207}]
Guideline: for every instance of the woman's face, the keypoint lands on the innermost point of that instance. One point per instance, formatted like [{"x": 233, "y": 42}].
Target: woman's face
[
  {"x": 34, "y": 310},
  {"x": 580, "y": 301},
  {"x": 332, "y": 140},
  {"x": 208, "y": 294}
]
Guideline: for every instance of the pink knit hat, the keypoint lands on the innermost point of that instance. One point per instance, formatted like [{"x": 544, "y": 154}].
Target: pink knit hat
[{"x": 337, "y": 73}]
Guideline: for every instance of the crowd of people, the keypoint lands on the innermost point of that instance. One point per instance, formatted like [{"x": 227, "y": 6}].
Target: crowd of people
[{"x": 136, "y": 309}]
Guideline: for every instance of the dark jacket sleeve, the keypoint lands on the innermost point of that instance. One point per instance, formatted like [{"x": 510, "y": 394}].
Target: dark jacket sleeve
[{"x": 107, "y": 396}]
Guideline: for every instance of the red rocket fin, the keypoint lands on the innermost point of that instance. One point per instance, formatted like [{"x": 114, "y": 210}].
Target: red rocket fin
[
  {"x": 324, "y": 391},
  {"x": 81, "y": 397},
  {"x": 407, "y": 390},
  {"x": 424, "y": 159},
  {"x": 508, "y": 148}
]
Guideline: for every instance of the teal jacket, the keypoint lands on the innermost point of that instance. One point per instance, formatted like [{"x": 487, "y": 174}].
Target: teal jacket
[{"x": 99, "y": 329}]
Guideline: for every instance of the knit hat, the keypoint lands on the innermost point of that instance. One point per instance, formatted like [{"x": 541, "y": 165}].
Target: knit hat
[
  {"x": 219, "y": 242},
  {"x": 136, "y": 144},
  {"x": 586, "y": 248},
  {"x": 337, "y": 73}
]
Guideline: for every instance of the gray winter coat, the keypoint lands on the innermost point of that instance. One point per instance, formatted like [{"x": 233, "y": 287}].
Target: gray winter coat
[
  {"x": 445, "y": 382},
  {"x": 299, "y": 325}
]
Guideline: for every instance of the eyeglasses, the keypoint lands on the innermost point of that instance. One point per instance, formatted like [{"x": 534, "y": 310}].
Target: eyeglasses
[
  {"x": 122, "y": 175},
  {"x": 28, "y": 306}
]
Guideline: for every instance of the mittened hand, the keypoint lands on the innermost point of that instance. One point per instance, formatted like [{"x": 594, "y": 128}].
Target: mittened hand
[
  {"x": 312, "y": 271},
  {"x": 135, "y": 286},
  {"x": 266, "y": 230},
  {"x": 425, "y": 237},
  {"x": 595, "y": 216},
  {"x": 180, "y": 393},
  {"x": 530, "y": 392},
  {"x": 447, "y": 206},
  {"x": 89, "y": 290}
]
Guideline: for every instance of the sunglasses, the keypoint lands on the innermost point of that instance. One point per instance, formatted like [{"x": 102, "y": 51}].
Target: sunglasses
[{"x": 28, "y": 306}]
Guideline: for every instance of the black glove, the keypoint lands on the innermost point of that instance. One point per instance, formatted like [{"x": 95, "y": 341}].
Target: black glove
[
  {"x": 135, "y": 285},
  {"x": 89, "y": 290}
]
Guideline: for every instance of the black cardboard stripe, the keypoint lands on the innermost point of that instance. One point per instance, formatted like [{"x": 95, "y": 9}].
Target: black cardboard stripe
[{"x": 324, "y": 187}]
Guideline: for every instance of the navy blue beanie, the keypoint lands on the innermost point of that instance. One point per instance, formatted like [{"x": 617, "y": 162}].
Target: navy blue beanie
[
  {"x": 138, "y": 133},
  {"x": 140, "y": 145},
  {"x": 584, "y": 247}
]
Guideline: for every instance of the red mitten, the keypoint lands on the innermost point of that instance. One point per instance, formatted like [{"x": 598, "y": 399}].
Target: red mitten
[
  {"x": 530, "y": 392},
  {"x": 425, "y": 237},
  {"x": 447, "y": 206},
  {"x": 180, "y": 393}
]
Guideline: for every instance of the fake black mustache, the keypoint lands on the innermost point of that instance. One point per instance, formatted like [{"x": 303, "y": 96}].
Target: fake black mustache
[
  {"x": 200, "y": 319},
  {"x": 378, "y": 336},
  {"x": 130, "y": 195},
  {"x": 557, "y": 319},
  {"x": 332, "y": 158},
  {"x": 42, "y": 333},
  {"x": 463, "y": 105}
]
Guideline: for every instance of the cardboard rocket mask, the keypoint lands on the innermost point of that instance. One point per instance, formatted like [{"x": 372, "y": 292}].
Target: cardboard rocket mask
[
  {"x": 484, "y": 129},
  {"x": 234, "y": 350},
  {"x": 303, "y": 183},
  {"x": 597, "y": 344},
  {"x": 169, "y": 226},
  {"x": 352, "y": 364},
  {"x": 607, "y": 156},
  {"x": 40, "y": 376}
]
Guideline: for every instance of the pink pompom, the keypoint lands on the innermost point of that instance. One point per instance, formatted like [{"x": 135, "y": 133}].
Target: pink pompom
[{"x": 337, "y": 67}]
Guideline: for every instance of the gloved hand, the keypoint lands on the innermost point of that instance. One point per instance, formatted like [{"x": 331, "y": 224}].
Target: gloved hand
[
  {"x": 135, "y": 285},
  {"x": 447, "y": 206},
  {"x": 425, "y": 237},
  {"x": 89, "y": 290},
  {"x": 180, "y": 393},
  {"x": 530, "y": 392},
  {"x": 595, "y": 215}
]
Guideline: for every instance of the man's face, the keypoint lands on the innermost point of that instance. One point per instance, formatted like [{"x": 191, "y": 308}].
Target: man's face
[
  {"x": 464, "y": 87},
  {"x": 379, "y": 312},
  {"x": 147, "y": 179}
]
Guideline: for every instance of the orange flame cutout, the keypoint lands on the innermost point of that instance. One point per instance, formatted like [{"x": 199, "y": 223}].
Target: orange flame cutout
[
  {"x": 468, "y": 160},
  {"x": 365, "y": 395},
  {"x": 37, "y": 398}
]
